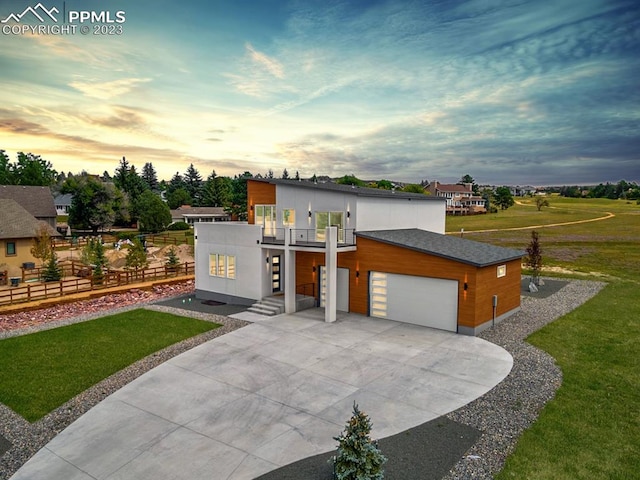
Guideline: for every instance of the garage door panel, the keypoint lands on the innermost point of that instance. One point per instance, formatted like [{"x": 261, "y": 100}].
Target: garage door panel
[{"x": 423, "y": 301}]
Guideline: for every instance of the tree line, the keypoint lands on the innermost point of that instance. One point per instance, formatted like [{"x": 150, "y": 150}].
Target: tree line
[{"x": 622, "y": 190}]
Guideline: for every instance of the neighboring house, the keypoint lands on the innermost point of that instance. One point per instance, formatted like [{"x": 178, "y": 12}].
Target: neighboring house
[
  {"x": 63, "y": 203},
  {"x": 192, "y": 215},
  {"x": 460, "y": 198},
  {"x": 18, "y": 228},
  {"x": 384, "y": 255},
  {"x": 519, "y": 191},
  {"x": 38, "y": 201}
]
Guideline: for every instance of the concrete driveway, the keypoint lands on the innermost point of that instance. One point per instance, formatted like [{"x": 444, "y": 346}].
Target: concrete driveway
[{"x": 269, "y": 394}]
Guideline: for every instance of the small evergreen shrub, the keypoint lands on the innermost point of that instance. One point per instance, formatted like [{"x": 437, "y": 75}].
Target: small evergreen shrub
[
  {"x": 52, "y": 271},
  {"x": 179, "y": 226},
  {"x": 173, "y": 262},
  {"x": 358, "y": 457}
]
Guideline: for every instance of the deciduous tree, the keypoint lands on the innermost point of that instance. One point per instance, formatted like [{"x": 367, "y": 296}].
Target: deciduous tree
[
  {"x": 154, "y": 214},
  {"x": 503, "y": 198}
]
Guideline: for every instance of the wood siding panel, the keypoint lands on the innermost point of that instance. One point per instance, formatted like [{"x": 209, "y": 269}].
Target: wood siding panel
[
  {"x": 474, "y": 304},
  {"x": 259, "y": 193}
]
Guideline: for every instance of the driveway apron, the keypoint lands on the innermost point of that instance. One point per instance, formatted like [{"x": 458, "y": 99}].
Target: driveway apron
[{"x": 269, "y": 394}]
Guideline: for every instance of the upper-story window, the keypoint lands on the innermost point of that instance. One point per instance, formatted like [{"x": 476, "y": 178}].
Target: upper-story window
[
  {"x": 266, "y": 218},
  {"x": 329, "y": 219},
  {"x": 289, "y": 217}
]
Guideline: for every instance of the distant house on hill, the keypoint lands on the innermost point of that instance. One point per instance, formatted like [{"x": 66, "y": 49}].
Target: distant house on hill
[
  {"x": 460, "y": 198},
  {"x": 63, "y": 203},
  {"x": 18, "y": 228},
  {"x": 38, "y": 201}
]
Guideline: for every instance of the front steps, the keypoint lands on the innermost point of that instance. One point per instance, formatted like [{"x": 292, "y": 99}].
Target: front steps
[{"x": 271, "y": 306}]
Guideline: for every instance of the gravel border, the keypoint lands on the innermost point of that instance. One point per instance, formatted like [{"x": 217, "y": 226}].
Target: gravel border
[{"x": 501, "y": 415}]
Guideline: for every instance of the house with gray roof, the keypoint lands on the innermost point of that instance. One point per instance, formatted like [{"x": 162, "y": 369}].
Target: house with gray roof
[
  {"x": 191, "y": 215},
  {"x": 38, "y": 201},
  {"x": 18, "y": 228},
  {"x": 380, "y": 253}
]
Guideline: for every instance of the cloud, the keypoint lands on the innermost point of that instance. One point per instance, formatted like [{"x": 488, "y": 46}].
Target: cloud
[
  {"x": 107, "y": 90},
  {"x": 271, "y": 65},
  {"x": 123, "y": 118}
]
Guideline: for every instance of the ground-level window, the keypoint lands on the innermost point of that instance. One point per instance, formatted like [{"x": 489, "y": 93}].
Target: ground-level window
[
  {"x": 222, "y": 265},
  {"x": 502, "y": 270},
  {"x": 11, "y": 248}
]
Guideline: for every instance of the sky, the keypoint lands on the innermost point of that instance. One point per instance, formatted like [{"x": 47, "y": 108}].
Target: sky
[{"x": 543, "y": 92}]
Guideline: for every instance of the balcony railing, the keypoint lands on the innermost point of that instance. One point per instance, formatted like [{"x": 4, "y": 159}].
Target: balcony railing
[{"x": 309, "y": 237}]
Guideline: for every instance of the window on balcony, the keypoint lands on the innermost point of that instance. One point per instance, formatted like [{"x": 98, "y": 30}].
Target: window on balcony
[
  {"x": 266, "y": 218},
  {"x": 289, "y": 217},
  {"x": 329, "y": 219}
]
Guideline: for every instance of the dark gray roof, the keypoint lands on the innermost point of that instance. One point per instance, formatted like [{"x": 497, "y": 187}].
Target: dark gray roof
[
  {"x": 353, "y": 190},
  {"x": 16, "y": 222},
  {"x": 38, "y": 201},
  {"x": 63, "y": 199},
  {"x": 454, "y": 248}
]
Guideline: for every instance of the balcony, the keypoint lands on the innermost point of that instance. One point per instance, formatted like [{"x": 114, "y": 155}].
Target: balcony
[{"x": 307, "y": 237}]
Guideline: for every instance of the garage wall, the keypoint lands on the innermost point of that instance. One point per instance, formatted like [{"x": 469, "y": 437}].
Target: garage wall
[{"x": 474, "y": 304}]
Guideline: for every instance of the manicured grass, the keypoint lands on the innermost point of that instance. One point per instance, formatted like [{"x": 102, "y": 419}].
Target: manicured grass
[
  {"x": 43, "y": 370},
  {"x": 591, "y": 430}
]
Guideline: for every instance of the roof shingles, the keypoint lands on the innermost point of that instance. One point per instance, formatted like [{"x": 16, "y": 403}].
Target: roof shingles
[{"x": 466, "y": 251}]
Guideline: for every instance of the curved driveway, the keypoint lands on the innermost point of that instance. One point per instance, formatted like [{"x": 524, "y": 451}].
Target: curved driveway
[{"x": 269, "y": 394}]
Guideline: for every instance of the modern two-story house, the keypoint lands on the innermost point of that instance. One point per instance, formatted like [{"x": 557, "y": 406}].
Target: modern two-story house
[{"x": 375, "y": 252}]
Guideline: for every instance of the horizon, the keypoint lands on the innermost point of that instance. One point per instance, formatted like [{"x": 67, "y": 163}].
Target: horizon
[{"x": 540, "y": 94}]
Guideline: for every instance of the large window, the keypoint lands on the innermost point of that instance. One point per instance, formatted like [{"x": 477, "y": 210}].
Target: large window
[
  {"x": 266, "y": 218},
  {"x": 222, "y": 265},
  {"x": 11, "y": 248},
  {"x": 329, "y": 219}
]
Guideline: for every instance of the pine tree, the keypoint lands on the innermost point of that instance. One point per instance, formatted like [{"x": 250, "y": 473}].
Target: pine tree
[
  {"x": 173, "y": 262},
  {"x": 358, "y": 457},
  {"x": 136, "y": 256},
  {"x": 52, "y": 271}
]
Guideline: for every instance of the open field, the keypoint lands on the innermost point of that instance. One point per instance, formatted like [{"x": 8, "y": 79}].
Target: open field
[
  {"x": 591, "y": 430},
  {"x": 608, "y": 247},
  {"x": 43, "y": 370}
]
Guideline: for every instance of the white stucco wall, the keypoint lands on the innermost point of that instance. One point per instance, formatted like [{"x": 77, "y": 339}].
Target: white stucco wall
[
  {"x": 304, "y": 199},
  {"x": 238, "y": 239},
  {"x": 388, "y": 214}
]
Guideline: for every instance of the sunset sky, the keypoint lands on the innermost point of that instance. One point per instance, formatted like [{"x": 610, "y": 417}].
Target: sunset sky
[{"x": 510, "y": 92}]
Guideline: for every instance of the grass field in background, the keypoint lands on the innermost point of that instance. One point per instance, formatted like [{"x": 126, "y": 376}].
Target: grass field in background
[
  {"x": 591, "y": 430},
  {"x": 609, "y": 247},
  {"x": 43, "y": 370}
]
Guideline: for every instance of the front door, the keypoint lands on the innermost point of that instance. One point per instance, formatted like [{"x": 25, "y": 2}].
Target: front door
[{"x": 276, "y": 279}]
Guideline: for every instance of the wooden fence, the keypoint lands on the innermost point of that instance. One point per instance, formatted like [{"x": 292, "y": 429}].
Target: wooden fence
[{"x": 67, "y": 286}]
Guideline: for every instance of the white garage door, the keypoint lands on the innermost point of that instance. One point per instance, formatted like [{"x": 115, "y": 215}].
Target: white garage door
[{"x": 431, "y": 302}]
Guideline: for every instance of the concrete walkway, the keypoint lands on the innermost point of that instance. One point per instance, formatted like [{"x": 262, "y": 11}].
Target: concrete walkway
[{"x": 269, "y": 394}]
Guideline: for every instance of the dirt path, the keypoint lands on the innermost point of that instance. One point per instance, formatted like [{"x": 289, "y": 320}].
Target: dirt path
[{"x": 607, "y": 216}]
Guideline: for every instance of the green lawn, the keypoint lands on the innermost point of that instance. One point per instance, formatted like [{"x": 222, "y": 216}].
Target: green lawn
[
  {"x": 43, "y": 370},
  {"x": 591, "y": 430}
]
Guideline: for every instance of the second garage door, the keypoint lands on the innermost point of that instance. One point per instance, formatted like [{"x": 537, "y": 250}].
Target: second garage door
[{"x": 431, "y": 302}]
